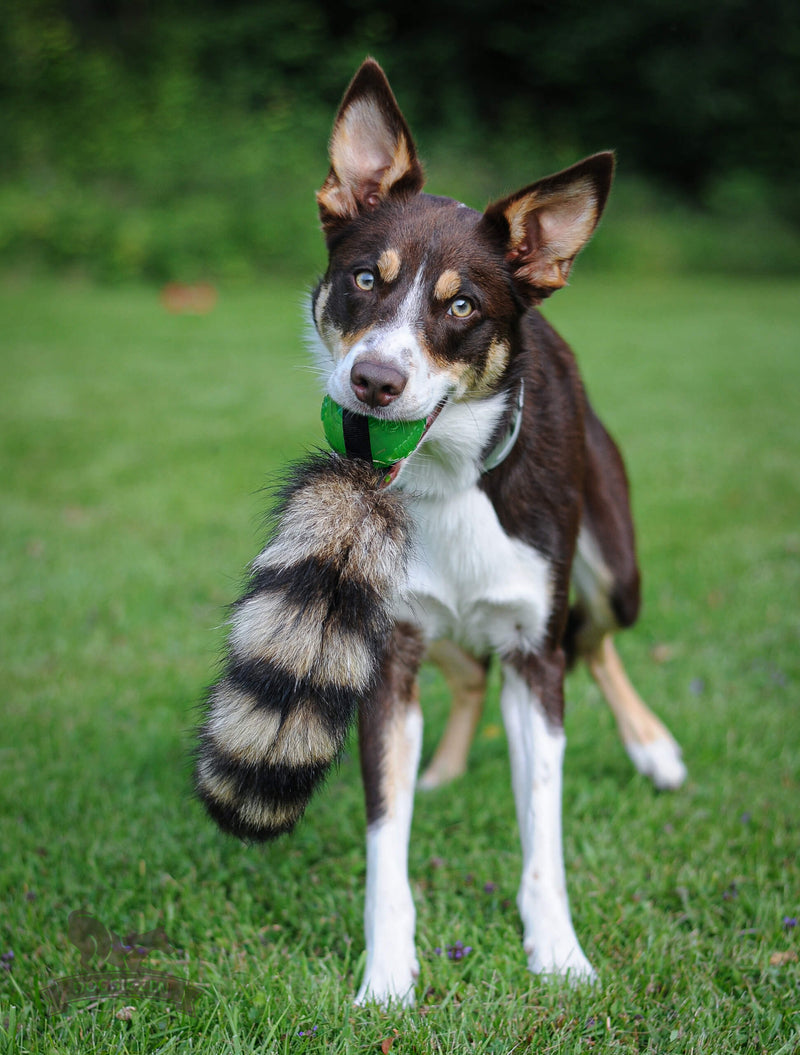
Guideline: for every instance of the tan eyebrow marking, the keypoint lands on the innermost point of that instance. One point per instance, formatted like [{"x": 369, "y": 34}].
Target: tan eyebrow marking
[
  {"x": 447, "y": 285},
  {"x": 389, "y": 265}
]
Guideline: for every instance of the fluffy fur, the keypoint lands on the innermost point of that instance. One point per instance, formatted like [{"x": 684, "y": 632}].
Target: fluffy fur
[{"x": 306, "y": 641}]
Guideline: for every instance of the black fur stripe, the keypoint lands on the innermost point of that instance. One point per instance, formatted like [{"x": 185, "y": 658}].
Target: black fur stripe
[
  {"x": 276, "y": 794},
  {"x": 316, "y": 580},
  {"x": 234, "y": 819},
  {"x": 278, "y": 690},
  {"x": 270, "y": 687},
  {"x": 277, "y": 786},
  {"x": 231, "y": 820},
  {"x": 303, "y": 657}
]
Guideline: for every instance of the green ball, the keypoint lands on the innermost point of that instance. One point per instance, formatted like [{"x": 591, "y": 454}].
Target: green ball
[{"x": 356, "y": 435}]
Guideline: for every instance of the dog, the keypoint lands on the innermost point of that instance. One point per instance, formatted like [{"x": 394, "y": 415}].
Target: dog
[{"x": 509, "y": 527}]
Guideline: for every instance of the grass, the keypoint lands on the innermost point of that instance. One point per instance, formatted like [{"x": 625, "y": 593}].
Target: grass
[{"x": 135, "y": 445}]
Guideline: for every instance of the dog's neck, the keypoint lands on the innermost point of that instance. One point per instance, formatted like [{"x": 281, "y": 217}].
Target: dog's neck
[
  {"x": 452, "y": 456},
  {"x": 501, "y": 450}
]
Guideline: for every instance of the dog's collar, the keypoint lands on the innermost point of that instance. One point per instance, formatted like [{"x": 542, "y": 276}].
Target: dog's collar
[{"x": 501, "y": 450}]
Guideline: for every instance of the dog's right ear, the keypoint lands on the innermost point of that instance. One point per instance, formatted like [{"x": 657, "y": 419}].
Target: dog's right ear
[{"x": 372, "y": 153}]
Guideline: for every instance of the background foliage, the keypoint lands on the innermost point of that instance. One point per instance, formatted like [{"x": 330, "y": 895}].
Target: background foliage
[{"x": 165, "y": 140}]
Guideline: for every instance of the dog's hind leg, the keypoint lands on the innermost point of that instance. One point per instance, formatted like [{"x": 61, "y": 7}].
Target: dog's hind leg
[
  {"x": 650, "y": 745},
  {"x": 466, "y": 679},
  {"x": 606, "y": 583},
  {"x": 390, "y": 739}
]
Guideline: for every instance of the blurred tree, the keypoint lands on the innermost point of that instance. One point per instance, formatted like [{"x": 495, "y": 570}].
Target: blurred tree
[
  {"x": 687, "y": 91},
  {"x": 203, "y": 110}
]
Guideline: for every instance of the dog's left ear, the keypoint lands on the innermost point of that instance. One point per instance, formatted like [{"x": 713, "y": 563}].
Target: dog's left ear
[
  {"x": 547, "y": 224},
  {"x": 371, "y": 151}
]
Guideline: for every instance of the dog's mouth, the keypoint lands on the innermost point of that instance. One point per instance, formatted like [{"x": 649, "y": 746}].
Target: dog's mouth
[
  {"x": 385, "y": 443},
  {"x": 394, "y": 470}
]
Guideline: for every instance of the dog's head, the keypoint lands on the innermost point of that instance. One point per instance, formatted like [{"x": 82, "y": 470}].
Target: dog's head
[{"x": 421, "y": 302}]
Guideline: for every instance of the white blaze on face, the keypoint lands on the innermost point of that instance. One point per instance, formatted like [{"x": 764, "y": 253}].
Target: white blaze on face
[{"x": 398, "y": 343}]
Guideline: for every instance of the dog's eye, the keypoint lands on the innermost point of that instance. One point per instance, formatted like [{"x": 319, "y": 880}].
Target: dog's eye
[
  {"x": 461, "y": 308},
  {"x": 364, "y": 280}
]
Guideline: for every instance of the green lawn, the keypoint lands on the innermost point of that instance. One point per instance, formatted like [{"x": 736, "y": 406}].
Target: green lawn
[{"x": 135, "y": 446}]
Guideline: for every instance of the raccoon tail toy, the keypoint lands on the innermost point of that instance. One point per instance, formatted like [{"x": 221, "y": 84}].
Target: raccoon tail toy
[{"x": 306, "y": 643}]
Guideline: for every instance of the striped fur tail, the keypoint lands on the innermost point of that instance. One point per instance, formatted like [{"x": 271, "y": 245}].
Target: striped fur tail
[{"x": 306, "y": 643}]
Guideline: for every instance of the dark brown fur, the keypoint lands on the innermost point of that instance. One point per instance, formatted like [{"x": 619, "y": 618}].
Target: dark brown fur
[{"x": 398, "y": 682}]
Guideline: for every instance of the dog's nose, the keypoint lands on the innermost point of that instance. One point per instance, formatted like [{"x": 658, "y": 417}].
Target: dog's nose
[{"x": 376, "y": 384}]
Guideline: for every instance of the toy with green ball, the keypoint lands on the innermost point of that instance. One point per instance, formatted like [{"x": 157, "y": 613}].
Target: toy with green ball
[{"x": 373, "y": 439}]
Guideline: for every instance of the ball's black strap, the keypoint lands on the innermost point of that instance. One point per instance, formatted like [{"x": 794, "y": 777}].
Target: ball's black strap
[{"x": 355, "y": 431}]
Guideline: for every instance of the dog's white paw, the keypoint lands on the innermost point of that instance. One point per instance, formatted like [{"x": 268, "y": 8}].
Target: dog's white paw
[
  {"x": 437, "y": 777},
  {"x": 550, "y": 941},
  {"x": 660, "y": 761},
  {"x": 428, "y": 781},
  {"x": 392, "y": 984},
  {"x": 562, "y": 960}
]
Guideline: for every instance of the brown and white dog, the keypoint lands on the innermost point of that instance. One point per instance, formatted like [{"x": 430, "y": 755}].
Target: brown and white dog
[
  {"x": 520, "y": 540},
  {"x": 428, "y": 310}
]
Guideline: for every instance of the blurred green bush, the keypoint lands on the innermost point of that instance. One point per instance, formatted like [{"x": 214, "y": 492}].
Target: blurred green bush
[{"x": 160, "y": 142}]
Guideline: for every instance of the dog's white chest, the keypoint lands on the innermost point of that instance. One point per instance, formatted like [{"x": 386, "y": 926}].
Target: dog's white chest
[{"x": 470, "y": 582}]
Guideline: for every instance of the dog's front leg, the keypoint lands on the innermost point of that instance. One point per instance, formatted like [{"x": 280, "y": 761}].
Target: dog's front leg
[
  {"x": 390, "y": 739},
  {"x": 532, "y": 705}
]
